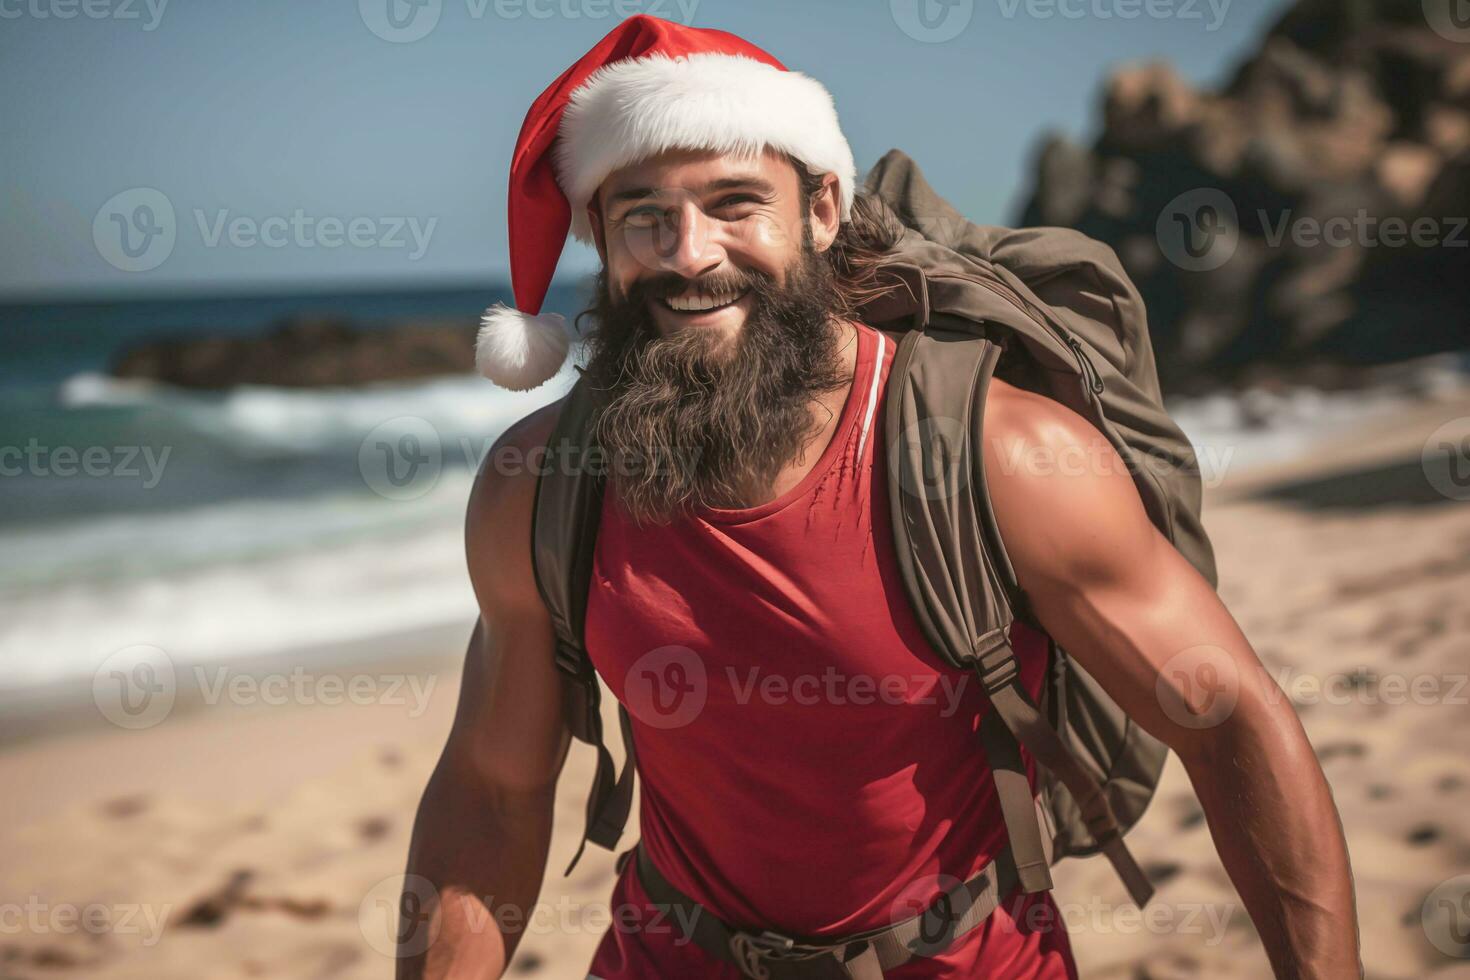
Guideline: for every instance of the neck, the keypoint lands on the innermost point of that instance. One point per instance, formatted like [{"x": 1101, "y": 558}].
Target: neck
[{"x": 826, "y": 410}]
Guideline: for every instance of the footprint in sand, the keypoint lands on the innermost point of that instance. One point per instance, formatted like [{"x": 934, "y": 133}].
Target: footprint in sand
[
  {"x": 374, "y": 828},
  {"x": 122, "y": 807},
  {"x": 527, "y": 964},
  {"x": 1422, "y": 835},
  {"x": 1341, "y": 750},
  {"x": 1162, "y": 872}
]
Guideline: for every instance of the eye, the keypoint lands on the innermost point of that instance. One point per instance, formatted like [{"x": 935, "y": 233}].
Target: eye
[
  {"x": 735, "y": 205},
  {"x": 644, "y": 216}
]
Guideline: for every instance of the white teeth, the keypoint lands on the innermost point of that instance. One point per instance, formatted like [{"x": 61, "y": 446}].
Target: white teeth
[{"x": 697, "y": 302}]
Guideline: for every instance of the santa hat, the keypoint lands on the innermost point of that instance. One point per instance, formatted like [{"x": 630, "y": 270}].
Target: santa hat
[{"x": 648, "y": 86}]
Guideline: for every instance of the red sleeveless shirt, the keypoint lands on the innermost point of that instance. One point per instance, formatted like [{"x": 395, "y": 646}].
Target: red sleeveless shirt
[{"x": 807, "y": 762}]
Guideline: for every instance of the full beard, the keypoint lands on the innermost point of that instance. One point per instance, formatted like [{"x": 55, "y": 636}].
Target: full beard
[{"x": 700, "y": 420}]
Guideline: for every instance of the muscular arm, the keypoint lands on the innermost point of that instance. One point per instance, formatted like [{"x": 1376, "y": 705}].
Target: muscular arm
[
  {"x": 1118, "y": 596},
  {"x": 484, "y": 824}
]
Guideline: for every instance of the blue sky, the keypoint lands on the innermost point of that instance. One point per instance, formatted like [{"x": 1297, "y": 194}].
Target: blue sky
[{"x": 313, "y": 143}]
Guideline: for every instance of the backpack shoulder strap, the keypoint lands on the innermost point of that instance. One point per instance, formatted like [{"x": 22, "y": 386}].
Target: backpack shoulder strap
[
  {"x": 947, "y": 565},
  {"x": 960, "y": 581},
  {"x": 1014, "y": 713},
  {"x": 564, "y": 525}
]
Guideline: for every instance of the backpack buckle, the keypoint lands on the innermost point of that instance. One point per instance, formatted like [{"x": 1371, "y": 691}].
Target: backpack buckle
[
  {"x": 995, "y": 660},
  {"x": 750, "y": 951},
  {"x": 569, "y": 659}
]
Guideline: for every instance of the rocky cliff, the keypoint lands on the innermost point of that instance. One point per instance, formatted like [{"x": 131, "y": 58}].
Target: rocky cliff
[{"x": 1313, "y": 211}]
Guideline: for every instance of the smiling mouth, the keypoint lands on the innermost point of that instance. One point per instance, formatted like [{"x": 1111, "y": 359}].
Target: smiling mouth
[{"x": 692, "y": 303}]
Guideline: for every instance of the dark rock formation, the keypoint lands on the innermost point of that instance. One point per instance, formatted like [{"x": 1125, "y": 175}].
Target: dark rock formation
[
  {"x": 306, "y": 352},
  {"x": 1314, "y": 210}
]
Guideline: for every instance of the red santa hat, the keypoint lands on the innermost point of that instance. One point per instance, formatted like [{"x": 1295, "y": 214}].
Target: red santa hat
[{"x": 648, "y": 86}]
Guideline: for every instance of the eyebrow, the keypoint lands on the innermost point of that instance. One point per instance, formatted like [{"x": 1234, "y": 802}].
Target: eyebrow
[{"x": 751, "y": 181}]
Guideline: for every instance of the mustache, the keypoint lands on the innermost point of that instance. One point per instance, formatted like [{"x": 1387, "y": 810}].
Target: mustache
[{"x": 667, "y": 284}]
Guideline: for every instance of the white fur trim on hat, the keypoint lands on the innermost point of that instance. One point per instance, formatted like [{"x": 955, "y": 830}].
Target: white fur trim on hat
[
  {"x": 630, "y": 110},
  {"x": 519, "y": 351}
]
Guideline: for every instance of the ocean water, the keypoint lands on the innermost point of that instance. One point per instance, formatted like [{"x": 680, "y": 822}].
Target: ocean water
[
  {"x": 221, "y": 527},
  {"x": 224, "y": 526}
]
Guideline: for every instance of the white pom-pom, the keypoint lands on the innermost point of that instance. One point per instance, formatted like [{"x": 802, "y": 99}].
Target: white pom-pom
[{"x": 519, "y": 351}]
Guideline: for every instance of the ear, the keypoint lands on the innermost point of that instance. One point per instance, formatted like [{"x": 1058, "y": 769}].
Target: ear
[
  {"x": 826, "y": 213},
  {"x": 594, "y": 220}
]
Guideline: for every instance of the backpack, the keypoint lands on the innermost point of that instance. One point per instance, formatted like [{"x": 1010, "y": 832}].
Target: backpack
[{"x": 1049, "y": 310}]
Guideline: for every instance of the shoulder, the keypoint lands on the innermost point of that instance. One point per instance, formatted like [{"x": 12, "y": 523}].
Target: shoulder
[
  {"x": 498, "y": 517},
  {"x": 1063, "y": 497},
  {"x": 1014, "y": 415}
]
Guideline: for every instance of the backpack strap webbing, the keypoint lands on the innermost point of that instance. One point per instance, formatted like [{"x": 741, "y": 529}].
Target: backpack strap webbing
[
  {"x": 1013, "y": 706},
  {"x": 564, "y": 523},
  {"x": 610, "y": 799}
]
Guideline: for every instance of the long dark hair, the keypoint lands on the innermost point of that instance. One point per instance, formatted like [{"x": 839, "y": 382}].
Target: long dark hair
[{"x": 864, "y": 242}]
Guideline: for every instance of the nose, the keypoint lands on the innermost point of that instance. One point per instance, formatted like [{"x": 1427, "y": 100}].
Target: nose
[{"x": 688, "y": 241}]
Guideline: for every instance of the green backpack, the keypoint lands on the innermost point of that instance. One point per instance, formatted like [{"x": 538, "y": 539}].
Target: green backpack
[{"x": 1050, "y": 310}]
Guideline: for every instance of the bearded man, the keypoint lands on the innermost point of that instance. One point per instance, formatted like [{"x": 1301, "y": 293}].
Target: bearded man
[{"x": 749, "y": 530}]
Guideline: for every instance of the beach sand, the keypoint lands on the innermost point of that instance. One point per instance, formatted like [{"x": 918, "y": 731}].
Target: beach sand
[{"x": 256, "y": 841}]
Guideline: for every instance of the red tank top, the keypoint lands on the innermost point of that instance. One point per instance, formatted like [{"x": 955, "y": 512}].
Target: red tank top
[{"x": 807, "y": 762}]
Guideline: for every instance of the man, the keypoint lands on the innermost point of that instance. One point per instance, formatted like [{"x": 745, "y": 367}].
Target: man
[{"x": 751, "y": 541}]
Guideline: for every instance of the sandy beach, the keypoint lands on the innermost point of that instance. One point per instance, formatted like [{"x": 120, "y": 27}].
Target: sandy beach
[{"x": 244, "y": 838}]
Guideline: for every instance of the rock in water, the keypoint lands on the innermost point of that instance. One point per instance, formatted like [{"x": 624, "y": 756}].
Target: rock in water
[{"x": 307, "y": 352}]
